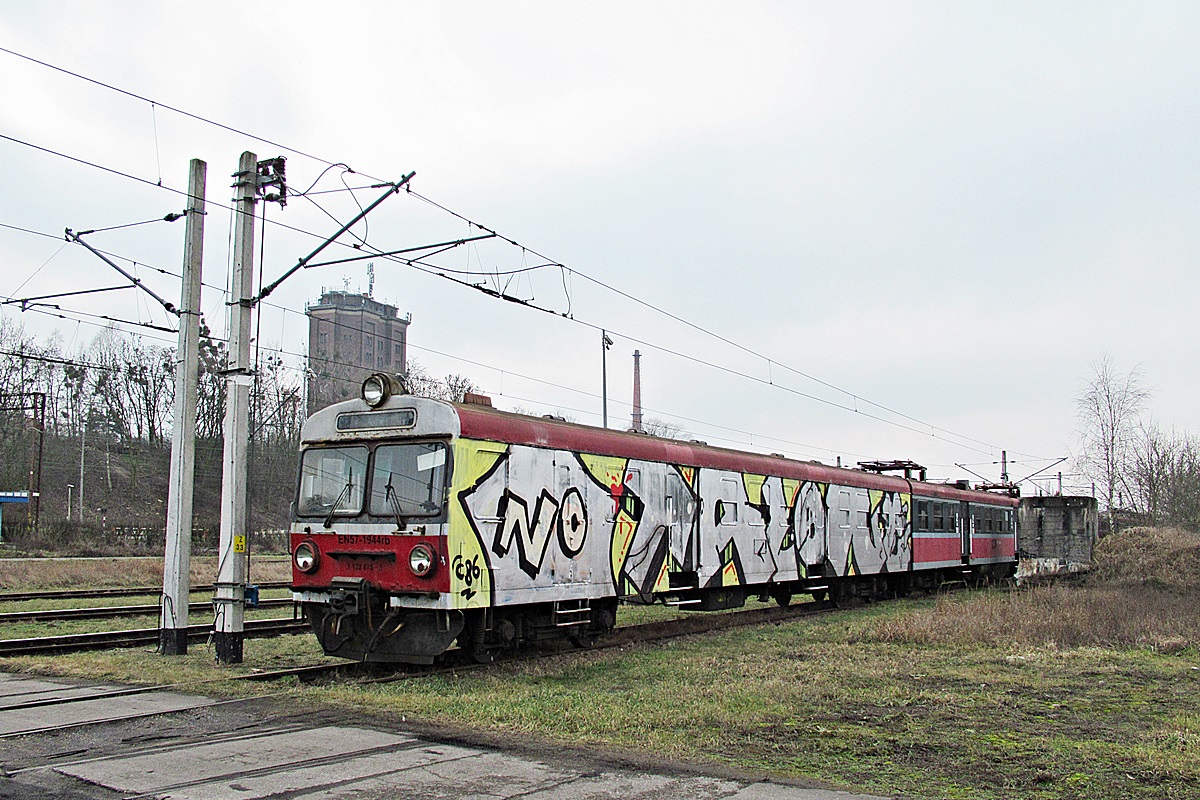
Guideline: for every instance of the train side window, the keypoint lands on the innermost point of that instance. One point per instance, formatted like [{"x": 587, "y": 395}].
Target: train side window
[
  {"x": 729, "y": 501},
  {"x": 938, "y": 522},
  {"x": 862, "y": 504},
  {"x": 844, "y": 508},
  {"x": 633, "y": 479},
  {"x": 756, "y": 519},
  {"x": 951, "y": 518},
  {"x": 923, "y": 515}
]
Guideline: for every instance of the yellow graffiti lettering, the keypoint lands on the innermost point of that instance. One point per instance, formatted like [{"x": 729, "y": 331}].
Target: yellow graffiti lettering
[
  {"x": 470, "y": 575},
  {"x": 754, "y": 486},
  {"x": 791, "y": 490}
]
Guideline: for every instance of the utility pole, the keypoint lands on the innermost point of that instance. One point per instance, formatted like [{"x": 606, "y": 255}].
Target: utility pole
[
  {"x": 1004, "y": 466},
  {"x": 82, "y": 448},
  {"x": 229, "y": 599},
  {"x": 173, "y": 620},
  {"x": 605, "y": 343}
]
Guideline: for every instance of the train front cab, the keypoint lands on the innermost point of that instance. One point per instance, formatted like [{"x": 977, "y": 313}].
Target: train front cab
[{"x": 369, "y": 541}]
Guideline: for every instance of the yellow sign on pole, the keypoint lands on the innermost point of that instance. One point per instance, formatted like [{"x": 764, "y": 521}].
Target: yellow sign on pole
[{"x": 239, "y": 544}]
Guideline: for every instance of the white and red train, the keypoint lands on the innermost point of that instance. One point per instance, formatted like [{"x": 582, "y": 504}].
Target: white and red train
[{"x": 420, "y": 522}]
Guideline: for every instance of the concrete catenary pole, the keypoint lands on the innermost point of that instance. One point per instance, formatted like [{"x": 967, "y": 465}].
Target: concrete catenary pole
[
  {"x": 173, "y": 620},
  {"x": 82, "y": 450},
  {"x": 229, "y": 599}
]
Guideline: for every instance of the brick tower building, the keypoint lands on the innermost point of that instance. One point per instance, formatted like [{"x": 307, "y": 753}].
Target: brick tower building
[{"x": 349, "y": 337}]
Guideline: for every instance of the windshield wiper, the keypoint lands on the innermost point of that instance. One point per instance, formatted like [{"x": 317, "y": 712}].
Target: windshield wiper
[
  {"x": 390, "y": 494},
  {"x": 332, "y": 509}
]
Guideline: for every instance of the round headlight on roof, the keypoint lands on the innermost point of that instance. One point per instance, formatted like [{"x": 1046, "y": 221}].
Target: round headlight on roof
[{"x": 375, "y": 389}]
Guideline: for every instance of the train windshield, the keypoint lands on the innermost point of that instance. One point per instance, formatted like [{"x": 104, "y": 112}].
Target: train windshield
[
  {"x": 408, "y": 480},
  {"x": 332, "y": 480}
]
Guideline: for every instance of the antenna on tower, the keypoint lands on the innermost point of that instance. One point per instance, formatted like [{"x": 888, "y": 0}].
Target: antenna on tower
[{"x": 370, "y": 279}]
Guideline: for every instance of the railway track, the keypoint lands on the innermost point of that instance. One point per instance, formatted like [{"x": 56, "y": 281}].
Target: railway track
[
  {"x": 42, "y": 645},
  {"x": 105, "y": 612},
  {"x": 458, "y": 661},
  {"x": 92, "y": 594}
]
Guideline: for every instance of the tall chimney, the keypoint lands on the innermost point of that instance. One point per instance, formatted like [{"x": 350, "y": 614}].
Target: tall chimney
[{"x": 637, "y": 391}]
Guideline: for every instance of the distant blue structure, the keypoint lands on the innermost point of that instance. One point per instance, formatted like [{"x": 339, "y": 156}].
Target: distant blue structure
[{"x": 10, "y": 497}]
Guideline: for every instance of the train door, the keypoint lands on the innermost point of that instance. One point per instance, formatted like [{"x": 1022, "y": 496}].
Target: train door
[
  {"x": 570, "y": 522},
  {"x": 966, "y": 526},
  {"x": 683, "y": 522}
]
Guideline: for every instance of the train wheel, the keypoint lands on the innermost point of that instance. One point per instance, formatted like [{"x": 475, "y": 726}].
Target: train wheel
[
  {"x": 783, "y": 597},
  {"x": 484, "y": 655},
  {"x": 819, "y": 595},
  {"x": 583, "y": 639}
]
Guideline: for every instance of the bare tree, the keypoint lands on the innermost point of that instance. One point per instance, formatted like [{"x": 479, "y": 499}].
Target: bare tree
[
  {"x": 210, "y": 410},
  {"x": 422, "y": 384},
  {"x": 663, "y": 429},
  {"x": 135, "y": 387},
  {"x": 1108, "y": 410}
]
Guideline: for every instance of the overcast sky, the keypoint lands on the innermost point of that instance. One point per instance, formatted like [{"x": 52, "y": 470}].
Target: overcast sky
[{"x": 951, "y": 210}]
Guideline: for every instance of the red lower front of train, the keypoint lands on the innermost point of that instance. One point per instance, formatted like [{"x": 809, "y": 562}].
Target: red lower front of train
[{"x": 374, "y": 597}]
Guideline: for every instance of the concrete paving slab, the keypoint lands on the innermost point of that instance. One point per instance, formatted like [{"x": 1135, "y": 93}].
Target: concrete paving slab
[
  {"x": 330, "y": 760},
  {"x": 774, "y": 791},
  {"x": 44, "y": 718},
  {"x": 635, "y": 786},
  {"x": 157, "y": 773},
  {"x": 485, "y": 776},
  {"x": 19, "y": 691},
  {"x": 340, "y": 779}
]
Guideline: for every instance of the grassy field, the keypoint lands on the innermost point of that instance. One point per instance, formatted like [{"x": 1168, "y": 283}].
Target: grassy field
[
  {"x": 1076, "y": 691},
  {"x": 98, "y": 573}
]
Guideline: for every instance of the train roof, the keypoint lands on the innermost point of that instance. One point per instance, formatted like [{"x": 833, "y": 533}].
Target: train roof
[{"x": 474, "y": 421}]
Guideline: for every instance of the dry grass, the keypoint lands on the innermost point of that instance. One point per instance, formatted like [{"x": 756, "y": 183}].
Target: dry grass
[
  {"x": 1054, "y": 616},
  {"x": 20, "y": 575},
  {"x": 1142, "y": 592},
  {"x": 1159, "y": 558}
]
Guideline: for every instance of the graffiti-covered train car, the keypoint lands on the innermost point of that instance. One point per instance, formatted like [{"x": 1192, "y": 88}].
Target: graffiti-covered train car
[{"x": 420, "y": 522}]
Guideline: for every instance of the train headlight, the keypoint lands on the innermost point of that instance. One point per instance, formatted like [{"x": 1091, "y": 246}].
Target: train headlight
[
  {"x": 420, "y": 560},
  {"x": 375, "y": 389},
  {"x": 306, "y": 557}
]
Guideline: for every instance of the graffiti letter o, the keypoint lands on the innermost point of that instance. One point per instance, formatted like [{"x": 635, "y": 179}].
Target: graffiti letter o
[{"x": 572, "y": 523}]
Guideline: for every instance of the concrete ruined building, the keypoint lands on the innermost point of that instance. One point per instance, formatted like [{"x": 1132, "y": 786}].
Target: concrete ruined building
[
  {"x": 351, "y": 336},
  {"x": 1057, "y": 533}
]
